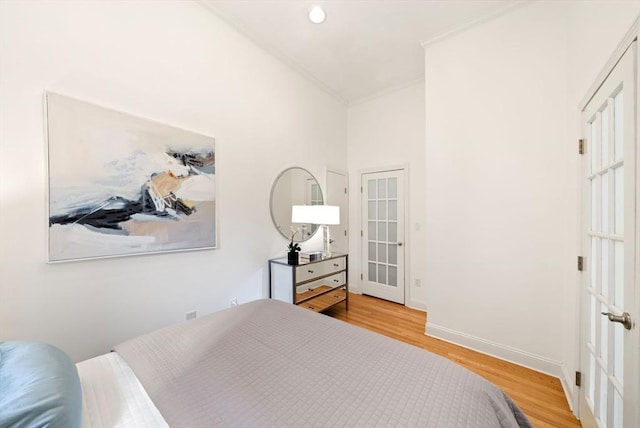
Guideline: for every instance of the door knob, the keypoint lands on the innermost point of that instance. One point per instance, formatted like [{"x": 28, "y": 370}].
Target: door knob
[
  {"x": 624, "y": 319},
  {"x": 399, "y": 244}
]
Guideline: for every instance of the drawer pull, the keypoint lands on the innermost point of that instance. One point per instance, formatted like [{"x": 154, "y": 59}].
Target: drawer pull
[
  {"x": 336, "y": 265},
  {"x": 335, "y": 280},
  {"x": 310, "y": 271}
]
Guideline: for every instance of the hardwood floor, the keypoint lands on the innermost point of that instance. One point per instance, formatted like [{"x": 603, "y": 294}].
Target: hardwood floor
[{"x": 540, "y": 396}]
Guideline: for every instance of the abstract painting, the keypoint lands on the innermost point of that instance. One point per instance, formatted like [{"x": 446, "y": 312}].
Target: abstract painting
[{"x": 121, "y": 185}]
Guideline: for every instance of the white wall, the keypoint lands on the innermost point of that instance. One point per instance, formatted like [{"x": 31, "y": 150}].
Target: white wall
[
  {"x": 383, "y": 132},
  {"x": 176, "y": 63},
  {"x": 501, "y": 186},
  {"x": 496, "y": 124}
]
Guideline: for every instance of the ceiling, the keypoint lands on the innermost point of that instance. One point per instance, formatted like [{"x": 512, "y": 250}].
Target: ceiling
[{"x": 365, "y": 47}]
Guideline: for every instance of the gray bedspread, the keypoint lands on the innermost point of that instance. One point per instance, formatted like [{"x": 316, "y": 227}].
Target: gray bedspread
[{"x": 272, "y": 364}]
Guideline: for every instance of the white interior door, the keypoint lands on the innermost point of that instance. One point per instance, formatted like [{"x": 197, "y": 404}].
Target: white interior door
[
  {"x": 337, "y": 195},
  {"x": 608, "y": 350},
  {"x": 383, "y": 235}
]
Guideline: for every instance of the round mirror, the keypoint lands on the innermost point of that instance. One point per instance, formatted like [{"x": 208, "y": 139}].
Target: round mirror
[{"x": 294, "y": 186}]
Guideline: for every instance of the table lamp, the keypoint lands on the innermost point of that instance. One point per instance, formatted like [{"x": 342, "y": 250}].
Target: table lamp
[{"x": 323, "y": 215}]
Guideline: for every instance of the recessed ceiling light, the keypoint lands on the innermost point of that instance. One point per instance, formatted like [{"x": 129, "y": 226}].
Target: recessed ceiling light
[{"x": 317, "y": 15}]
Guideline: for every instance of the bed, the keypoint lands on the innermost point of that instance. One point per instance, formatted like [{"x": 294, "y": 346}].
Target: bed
[{"x": 271, "y": 364}]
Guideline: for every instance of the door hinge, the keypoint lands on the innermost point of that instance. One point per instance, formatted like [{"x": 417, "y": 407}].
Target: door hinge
[
  {"x": 361, "y": 233},
  {"x": 345, "y": 190},
  {"x": 361, "y": 190},
  {"x": 581, "y": 146},
  {"x": 345, "y": 233},
  {"x": 578, "y": 379},
  {"x": 361, "y": 277},
  {"x": 580, "y": 263}
]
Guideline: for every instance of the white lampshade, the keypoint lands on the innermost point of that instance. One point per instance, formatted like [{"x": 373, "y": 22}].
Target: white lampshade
[
  {"x": 315, "y": 214},
  {"x": 302, "y": 214}
]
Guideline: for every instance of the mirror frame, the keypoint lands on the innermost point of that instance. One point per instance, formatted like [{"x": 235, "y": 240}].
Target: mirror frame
[{"x": 314, "y": 228}]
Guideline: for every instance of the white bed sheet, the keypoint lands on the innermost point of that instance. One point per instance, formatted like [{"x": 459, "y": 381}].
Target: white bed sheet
[{"x": 112, "y": 396}]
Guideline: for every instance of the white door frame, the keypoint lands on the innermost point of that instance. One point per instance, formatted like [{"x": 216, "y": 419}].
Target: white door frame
[
  {"x": 407, "y": 234},
  {"x": 344, "y": 214},
  {"x": 634, "y": 308}
]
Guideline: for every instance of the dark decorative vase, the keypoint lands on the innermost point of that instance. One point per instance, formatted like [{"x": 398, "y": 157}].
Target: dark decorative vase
[{"x": 292, "y": 257}]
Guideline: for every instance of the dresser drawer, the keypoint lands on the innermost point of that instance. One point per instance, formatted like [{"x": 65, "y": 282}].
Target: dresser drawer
[
  {"x": 313, "y": 270},
  {"x": 333, "y": 281}
]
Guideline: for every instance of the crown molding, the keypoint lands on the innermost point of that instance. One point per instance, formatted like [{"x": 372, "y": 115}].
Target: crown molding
[
  {"x": 479, "y": 21},
  {"x": 385, "y": 92}
]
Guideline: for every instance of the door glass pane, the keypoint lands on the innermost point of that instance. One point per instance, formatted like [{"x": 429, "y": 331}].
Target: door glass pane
[
  {"x": 594, "y": 146},
  {"x": 605, "y": 137},
  {"x": 382, "y": 274},
  {"x": 393, "y": 276},
  {"x": 393, "y": 232},
  {"x": 617, "y": 410},
  {"x": 393, "y": 210},
  {"x": 372, "y": 272},
  {"x": 371, "y": 207},
  {"x": 618, "y": 274},
  {"x": 602, "y": 413},
  {"x": 618, "y": 360},
  {"x": 382, "y": 188},
  {"x": 393, "y": 254},
  {"x": 372, "y": 252},
  {"x": 604, "y": 268},
  {"x": 382, "y": 210},
  {"x": 372, "y": 230},
  {"x": 604, "y": 213},
  {"x": 604, "y": 336},
  {"x": 618, "y": 123},
  {"x": 593, "y": 266},
  {"x": 393, "y": 187},
  {"x": 618, "y": 186},
  {"x": 594, "y": 204},
  {"x": 592, "y": 320},
  {"x": 382, "y": 231},
  {"x": 592, "y": 380},
  {"x": 382, "y": 253},
  {"x": 598, "y": 266},
  {"x": 372, "y": 189}
]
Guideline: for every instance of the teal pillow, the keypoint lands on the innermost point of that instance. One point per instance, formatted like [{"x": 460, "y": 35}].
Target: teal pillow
[{"x": 39, "y": 387}]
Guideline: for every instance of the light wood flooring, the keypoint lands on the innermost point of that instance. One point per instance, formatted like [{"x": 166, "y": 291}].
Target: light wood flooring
[{"x": 539, "y": 396}]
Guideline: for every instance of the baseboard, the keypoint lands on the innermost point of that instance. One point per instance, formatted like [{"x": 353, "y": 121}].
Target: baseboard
[
  {"x": 507, "y": 353},
  {"x": 355, "y": 289},
  {"x": 416, "y": 304},
  {"x": 567, "y": 381}
]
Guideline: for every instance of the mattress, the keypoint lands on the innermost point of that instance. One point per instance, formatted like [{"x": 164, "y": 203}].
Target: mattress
[
  {"x": 271, "y": 364},
  {"x": 112, "y": 396}
]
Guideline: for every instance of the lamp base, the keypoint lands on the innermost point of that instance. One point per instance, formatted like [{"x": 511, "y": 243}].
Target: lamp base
[{"x": 326, "y": 252}]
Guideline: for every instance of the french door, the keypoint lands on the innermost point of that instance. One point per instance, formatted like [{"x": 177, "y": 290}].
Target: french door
[
  {"x": 383, "y": 234},
  {"x": 609, "y": 339}
]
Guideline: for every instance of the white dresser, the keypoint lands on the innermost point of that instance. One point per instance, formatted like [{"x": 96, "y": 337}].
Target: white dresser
[{"x": 316, "y": 285}]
